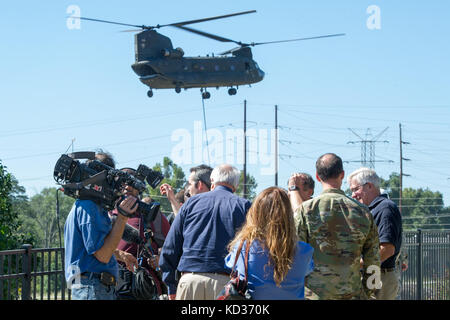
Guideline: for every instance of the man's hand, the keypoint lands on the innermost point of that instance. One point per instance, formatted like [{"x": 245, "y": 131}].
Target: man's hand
[
  {"x": 297, "y": 179},
  {"x": 387, "y": 250},
  {"x": 129, "y": 260},
  {"x": 128, "y": 206},
  {"x": 166, "y": 189},
  {"x": 296, "y": 197}
]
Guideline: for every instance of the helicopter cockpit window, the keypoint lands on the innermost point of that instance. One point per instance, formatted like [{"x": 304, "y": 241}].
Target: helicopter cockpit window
[{"x": 247, "y": 66}]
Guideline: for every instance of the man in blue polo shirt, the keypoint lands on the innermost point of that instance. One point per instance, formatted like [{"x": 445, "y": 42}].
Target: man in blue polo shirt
[
  {"x": 90, "y": 241},
  {"x": 365, "y": 186},
  {"x": 196, "y": 244}
]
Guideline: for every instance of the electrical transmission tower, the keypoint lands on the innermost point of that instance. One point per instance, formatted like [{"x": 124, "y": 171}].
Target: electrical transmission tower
[{"x": 368, "y": 148}]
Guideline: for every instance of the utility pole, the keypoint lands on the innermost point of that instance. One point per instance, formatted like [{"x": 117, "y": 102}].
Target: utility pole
[
  {"x": 368, "y": 144},
  {"x": 401, "y": 169},
  {"x": 276, "y": 145},
  {"x": 245, "y": 149}
]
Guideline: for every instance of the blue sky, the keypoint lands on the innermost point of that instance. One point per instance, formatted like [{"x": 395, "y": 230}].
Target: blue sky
[{"x": 59, "y": 85}]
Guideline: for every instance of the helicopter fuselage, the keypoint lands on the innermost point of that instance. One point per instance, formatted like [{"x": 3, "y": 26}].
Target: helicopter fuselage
[
  {"x": 198, "y": 72},
  {"x": 160, "y": 66}
]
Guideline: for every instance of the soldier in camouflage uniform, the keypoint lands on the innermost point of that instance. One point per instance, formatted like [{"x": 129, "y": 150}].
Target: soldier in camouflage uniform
[{"x": 344, "y": 236}]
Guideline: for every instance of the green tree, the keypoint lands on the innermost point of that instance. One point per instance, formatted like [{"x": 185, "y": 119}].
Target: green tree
[
  {"x": 40, "y": 217},
  {"x": 421, "y": 208},
  {"x": 11, "y": 232},
  {"x": 6, "y": 216},
  {"x": 251, "y": 187}
]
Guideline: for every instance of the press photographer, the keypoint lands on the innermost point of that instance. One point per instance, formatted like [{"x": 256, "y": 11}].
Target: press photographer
[
  {"x": 143, "y": 238},
  {"x": 89, "y": 235}
]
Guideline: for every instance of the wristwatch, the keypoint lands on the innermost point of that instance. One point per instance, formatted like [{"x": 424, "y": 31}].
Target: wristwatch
[{"x": 293, "y": 188}]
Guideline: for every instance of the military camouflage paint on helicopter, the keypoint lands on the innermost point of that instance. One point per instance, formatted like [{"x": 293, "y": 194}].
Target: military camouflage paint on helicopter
[{"x": 160, "y": 66}]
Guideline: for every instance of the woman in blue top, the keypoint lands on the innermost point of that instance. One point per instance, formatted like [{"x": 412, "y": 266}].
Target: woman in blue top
[{"x": 277, "y": 262}]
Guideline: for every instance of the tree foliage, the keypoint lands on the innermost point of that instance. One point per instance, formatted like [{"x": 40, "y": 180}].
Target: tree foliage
[
  {"x": 41, "y": 219},
  {"x": 421, "y": 208},
  {"x": 251, "y": 187},
  {"x": 12, "y": 235}
]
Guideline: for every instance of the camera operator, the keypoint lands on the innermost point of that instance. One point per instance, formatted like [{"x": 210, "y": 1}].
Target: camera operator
[
  {"x": 128, "y": 251},
  {"x": 91, "y": 240}
]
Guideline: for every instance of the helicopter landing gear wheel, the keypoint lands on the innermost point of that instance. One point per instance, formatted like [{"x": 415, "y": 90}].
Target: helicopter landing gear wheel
[
  {"x": 150, "y": 93},
  {"x": 177, "y": 89},
  {"x": 206, "y": 95},
  {"x": 232, "y": 91}
]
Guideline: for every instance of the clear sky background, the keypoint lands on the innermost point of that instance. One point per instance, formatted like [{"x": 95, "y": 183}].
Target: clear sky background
[{"x": 59, "y": 85}]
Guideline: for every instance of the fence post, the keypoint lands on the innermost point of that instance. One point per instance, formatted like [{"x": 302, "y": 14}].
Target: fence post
[
  {"x": 419, "y": 265},
  {"x": 26, "y": 269}
]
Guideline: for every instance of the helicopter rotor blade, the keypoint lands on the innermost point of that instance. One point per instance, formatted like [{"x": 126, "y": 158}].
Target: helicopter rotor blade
[
  {"x": 205, "y": 19},
  {"x": 131, "y": 30},
  {"x": 299, "y": 39},
  {"x": 113, "y": 22},
  {"x": 279, "y": 41},
  {"x": 182, "y": 23},
  {"x": 209, "y": 35}
]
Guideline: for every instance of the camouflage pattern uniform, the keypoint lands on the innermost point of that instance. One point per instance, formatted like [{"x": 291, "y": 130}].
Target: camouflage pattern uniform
[{"x": 341, "y": 231}]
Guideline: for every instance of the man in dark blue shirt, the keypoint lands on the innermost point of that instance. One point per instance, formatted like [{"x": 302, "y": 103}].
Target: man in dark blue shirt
[
  {"x": 365, "y": 187},
  {"x": 197, "y": 241}
]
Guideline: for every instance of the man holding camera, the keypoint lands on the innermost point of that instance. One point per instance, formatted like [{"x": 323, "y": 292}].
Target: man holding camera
[
  {"x": 151, "y": 235},
  {"x": 91, "y": 240}
]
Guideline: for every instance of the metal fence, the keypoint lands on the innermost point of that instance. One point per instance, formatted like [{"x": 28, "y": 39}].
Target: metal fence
[
  {"x": 38, "y": 274},
  {"x": 33, "y": 274},
  {"x": 428, "y": 273}
]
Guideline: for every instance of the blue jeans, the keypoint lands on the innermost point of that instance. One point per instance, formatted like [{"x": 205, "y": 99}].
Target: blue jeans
[{"x": 93, "y": 289}]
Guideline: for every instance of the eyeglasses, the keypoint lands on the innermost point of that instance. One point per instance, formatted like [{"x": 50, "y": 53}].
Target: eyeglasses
[{"x": 355, "y": 189}]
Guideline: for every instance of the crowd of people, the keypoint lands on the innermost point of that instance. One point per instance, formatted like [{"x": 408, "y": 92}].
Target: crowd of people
[{"x": 292, "y": 245}]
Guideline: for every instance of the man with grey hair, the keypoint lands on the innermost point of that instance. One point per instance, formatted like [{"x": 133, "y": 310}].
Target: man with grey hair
[
  {"x": 225, "y": 175},
  {"x": 365, "y": 187},
  {"x": 197, "y": 241}
]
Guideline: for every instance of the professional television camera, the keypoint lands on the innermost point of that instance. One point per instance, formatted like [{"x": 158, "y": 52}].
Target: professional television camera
[{"x": 96, "y": 181}]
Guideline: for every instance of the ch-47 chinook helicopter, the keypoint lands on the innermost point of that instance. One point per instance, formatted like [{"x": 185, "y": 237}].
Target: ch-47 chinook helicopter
[{"x": 160, "y": 66}]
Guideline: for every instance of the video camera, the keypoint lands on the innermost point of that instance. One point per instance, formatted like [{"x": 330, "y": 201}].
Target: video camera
[{"x": 96, "y": 181}]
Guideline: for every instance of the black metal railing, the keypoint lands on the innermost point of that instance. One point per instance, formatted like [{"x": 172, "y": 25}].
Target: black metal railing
[
  {"x": 38, "y": 274},
  {"x": 33, "y": 274},
  {"x": 428, "y": 273}
]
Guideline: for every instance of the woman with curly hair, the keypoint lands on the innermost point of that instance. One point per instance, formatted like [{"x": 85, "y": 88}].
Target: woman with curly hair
[{"x": 277, "y": 262}]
